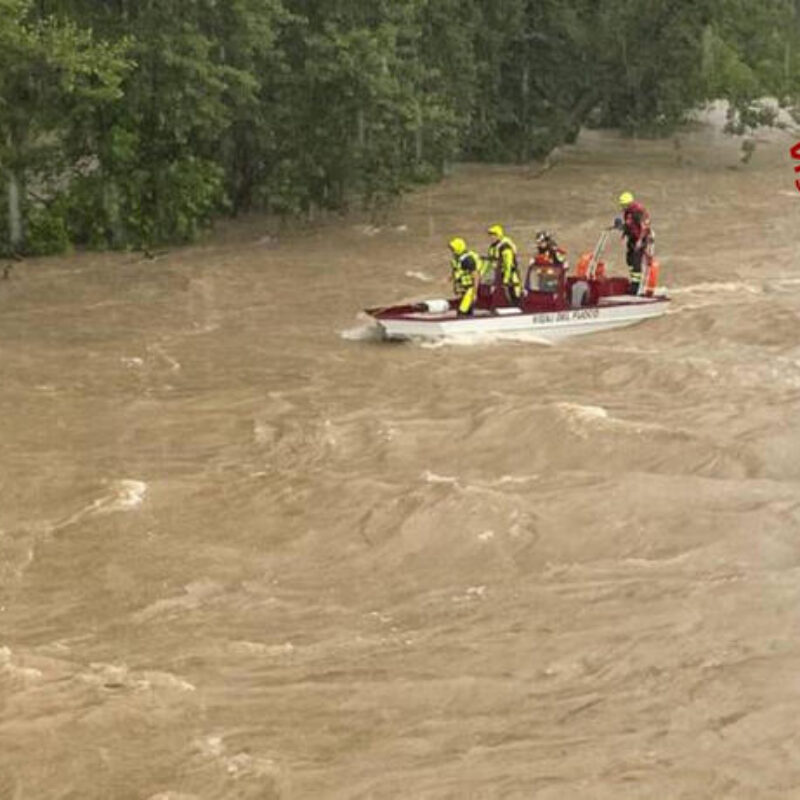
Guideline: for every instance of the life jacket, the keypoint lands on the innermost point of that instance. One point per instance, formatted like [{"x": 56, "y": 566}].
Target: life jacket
[
  {"x": 635, "y": 221},
  {"x": 496, "y": 251},
  {"x": 582, "y": 267},
  {"x": 464, "y": 267},
  {"x": 652, "y": 277},
  {"x": 554, "y": 256}
]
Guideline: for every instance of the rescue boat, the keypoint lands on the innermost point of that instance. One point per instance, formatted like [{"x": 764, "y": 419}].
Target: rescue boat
[{"x": 556, "y": 307}]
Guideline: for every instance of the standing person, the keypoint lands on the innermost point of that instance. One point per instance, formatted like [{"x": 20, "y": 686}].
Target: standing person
[
  {"x": 465, "y": 266},
  {"x": 503, "y": 257},
  {"x": 639, "y": 235}
]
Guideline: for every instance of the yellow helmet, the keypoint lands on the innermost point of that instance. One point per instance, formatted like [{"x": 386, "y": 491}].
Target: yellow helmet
[
  {"x": 496, "y": 230},
  {"x": 457, "y": 245},
  {"x": 625, "y": 199}
]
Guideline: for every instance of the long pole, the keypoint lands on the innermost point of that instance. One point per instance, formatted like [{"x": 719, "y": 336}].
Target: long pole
[{"x": 598, "y": 250}]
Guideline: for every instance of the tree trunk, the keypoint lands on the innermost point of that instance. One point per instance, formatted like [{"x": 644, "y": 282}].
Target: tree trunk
[
  {"x": 361, "y": 129},
  {"x": 524, "y": 155},
  {"x": 14, "y": 214},
  {"x": 111, "y": 207}
]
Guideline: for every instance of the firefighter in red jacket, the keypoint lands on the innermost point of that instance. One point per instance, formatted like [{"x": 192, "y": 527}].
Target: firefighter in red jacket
[{"x": 636, "y": 230}]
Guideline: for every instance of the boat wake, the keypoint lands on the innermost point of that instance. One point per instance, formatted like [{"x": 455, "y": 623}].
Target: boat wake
[
  {"x": 483, "y": 339},
  {"x": 369, "y": 332},
  {"x": 710, "y": 288}
]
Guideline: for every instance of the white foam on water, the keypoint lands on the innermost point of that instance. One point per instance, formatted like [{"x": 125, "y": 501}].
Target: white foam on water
[
  {"x": 238, "y": 765},
  {"x": 259, "y": 648},
  {"x": 420, "y": 276},
  {"x": 128, "y": 494},
  {"x": 710, "y": 288},
  {"x": 131, "y": 494},
  {"x": 785, "y": 281},
  {"x": 244, "y": 764},
  {"x": 655, "y": 563},
  {"x": 695, "y": 306},
  {"x": 211, "y": 746},
  {"x": 195, "y": 594},
  {"x": 583, "y": 412},
  {"x": 370, "y": 332},
  {"x": 133, "y": 361},
  {"x": 472, "y": 593},
  {"x": 483, "y": 486},
  {"x": 432, "y": 477},
  {"x": 513, "y": 479},
  {"x": 483, "y": 339},
  {"x": 7, "y": 666},
  {"x": 166, "y": 680},
  {"x": 170, "y": 795},
  {"x": 581, "y": 417}
]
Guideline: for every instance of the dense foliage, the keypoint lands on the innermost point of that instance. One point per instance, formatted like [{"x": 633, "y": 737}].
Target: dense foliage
[{"x": 131, "y": 122}]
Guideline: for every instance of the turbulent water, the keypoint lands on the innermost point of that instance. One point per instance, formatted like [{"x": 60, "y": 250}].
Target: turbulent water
[{"x": 249, "y": 551}]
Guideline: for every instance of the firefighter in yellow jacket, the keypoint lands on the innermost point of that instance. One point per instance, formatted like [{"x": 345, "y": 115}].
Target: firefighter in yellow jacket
[
  {"x": 503, "y": 257},
  {"x": 465, "y": 266}
]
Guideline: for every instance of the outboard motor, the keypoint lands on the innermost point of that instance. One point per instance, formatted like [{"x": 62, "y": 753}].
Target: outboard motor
[{"x": 579, "y": 296}]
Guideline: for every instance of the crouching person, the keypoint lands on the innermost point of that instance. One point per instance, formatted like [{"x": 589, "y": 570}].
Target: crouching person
[{"x": 548, "y": 264}]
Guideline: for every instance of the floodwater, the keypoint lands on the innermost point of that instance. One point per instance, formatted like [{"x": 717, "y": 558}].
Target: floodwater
[{"x": 249, "y": 551}]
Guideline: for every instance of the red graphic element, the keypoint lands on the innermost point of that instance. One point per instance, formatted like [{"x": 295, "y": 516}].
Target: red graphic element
[{"x": 794, "y": 152}]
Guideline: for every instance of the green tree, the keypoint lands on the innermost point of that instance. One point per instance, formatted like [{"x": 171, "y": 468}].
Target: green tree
[
  {"x": 751, "y": 52},
  {"x": 49, "y": 70}
]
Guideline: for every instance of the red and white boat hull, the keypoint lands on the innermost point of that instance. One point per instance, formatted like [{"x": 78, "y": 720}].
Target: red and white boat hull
[{"x": 427, "y": 320}]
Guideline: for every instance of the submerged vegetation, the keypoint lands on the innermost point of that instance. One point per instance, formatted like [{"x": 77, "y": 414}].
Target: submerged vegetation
[{"x": 132, "y": 122}]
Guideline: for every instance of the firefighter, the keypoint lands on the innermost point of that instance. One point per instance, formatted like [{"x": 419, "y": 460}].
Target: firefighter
[
  {"x": 548, "y": 253},
  {"x": 548, "y": 260},
  {"x": 636, "y": 230},
  {"x": 503, "y": 258},
  {"x": 465, "y": 266}
]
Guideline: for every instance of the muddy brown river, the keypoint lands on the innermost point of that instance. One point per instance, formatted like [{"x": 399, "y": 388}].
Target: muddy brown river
[{"x": 249, "y": 551}]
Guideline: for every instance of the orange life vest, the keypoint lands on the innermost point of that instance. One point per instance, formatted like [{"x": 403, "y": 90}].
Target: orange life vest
[{"x": 652, "y": 277}]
